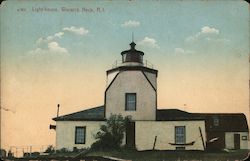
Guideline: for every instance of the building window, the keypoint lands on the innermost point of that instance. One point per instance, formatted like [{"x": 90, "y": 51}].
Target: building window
[
  {"x": 180, "y": 135},
  {"x": 216, "y": 121},
  {"x": 130, "y": 101},
  {"x": 80, "y": 135},
  {"x": 244, "y": 137}
]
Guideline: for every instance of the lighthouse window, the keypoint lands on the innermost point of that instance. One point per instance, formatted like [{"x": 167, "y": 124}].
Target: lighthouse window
[
  {"x": 80, "y": 135},
  {"x": 141, "y": 59},
  {"x": 123, "y": 58},
  {"x": 180, "y": 137},
  {"x": 130, "y": 101},
  {"x": 216, "y": 121}
]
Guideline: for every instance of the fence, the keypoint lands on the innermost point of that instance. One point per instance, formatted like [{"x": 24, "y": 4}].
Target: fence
[{"x": 28, "y": 150}]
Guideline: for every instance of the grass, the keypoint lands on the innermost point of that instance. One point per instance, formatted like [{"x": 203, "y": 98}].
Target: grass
[
  {"x": 173, "y": 155},
  {"x": 152, "y": 155}
]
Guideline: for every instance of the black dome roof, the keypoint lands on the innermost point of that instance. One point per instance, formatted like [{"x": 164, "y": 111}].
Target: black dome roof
[{"x": 132, "y": 55}]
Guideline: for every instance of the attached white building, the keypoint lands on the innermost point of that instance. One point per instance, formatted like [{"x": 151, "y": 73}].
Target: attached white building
[{"x": 132, "y": 91}]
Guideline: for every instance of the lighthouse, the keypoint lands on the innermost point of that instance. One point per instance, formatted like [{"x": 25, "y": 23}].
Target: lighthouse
[
  {"x": 131, "y": 87},
  {"x": 131, "y": 90}
]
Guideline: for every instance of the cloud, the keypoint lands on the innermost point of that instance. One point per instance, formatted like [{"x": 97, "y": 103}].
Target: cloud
[
  {"x": 56, "y": 48},
  {"x": 219, "y": 40},
  {"x": 37, "y": 51},
  {"x": 148, "y": 42},
  {"x": 206, "y": 31},
  {"x": 53, "y": 48},
  {"x": 183, "y": 51},
  {"x": 48, "y": 45},
  {"x": 59, "y": 34},
  {"x": 75, "y": 30},
  {"x": 42, "y": 40},
  {"x": 72, "y": 29},
  {"x": 131, "y": 23},
  {"x": 209, "y": 30}
]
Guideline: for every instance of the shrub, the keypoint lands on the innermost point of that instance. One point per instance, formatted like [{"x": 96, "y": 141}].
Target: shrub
[
  {"x": 50, "y": 149},
  {"x": 63, "y": 150},
  {"x": 111, "y": 134},
  {"x": 10, "y": 154}
]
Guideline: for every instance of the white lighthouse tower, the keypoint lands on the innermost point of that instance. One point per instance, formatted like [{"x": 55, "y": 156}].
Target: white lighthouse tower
[{"x": 132, "y": 87}]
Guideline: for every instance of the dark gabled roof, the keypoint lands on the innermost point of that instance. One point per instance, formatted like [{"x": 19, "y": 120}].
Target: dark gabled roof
[
  {"x": 227, "y": 122},
  {"x": 175, "y": 115},
  {"x": 92, "y": 114}
]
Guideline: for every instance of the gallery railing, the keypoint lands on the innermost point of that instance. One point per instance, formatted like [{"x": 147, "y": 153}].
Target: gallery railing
[{"x": 146, "y": 63}]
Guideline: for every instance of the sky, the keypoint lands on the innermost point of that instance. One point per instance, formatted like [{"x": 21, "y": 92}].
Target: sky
[{"x": 57, "y": 52}]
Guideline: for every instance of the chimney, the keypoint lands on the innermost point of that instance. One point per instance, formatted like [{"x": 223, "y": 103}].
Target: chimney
[{"x": 58, "y": 106}]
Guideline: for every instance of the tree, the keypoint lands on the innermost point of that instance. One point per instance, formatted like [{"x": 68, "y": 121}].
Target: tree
[
  {"x": 50, "y": 149},
  {"x": 10, "y": 154},
  {"x": 2, "y": 153},
  {"x": 111, "y": 134}
]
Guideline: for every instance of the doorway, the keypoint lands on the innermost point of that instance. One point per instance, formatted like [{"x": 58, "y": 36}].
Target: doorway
[
  {"x": 130, "y": 135},
  {"x": 236, "y": 141}
]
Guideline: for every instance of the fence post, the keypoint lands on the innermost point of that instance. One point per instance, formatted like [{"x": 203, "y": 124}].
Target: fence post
[
  {"x": 30, "y": 150},
  {"x": 16, "y": 152}
]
